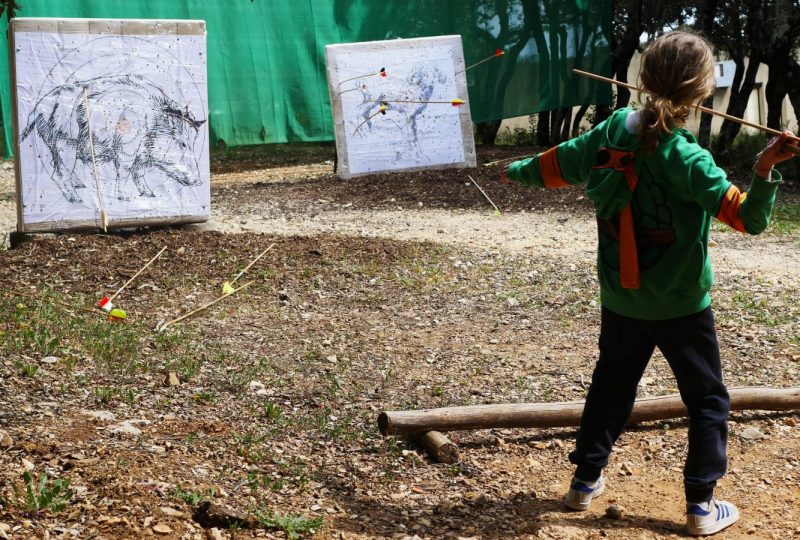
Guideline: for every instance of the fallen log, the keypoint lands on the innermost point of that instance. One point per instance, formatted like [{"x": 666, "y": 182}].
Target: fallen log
[
  {"x": 565, "y": 414},
  {"x": 208, "y": 515},
  {"x": 438, "y": 446}
]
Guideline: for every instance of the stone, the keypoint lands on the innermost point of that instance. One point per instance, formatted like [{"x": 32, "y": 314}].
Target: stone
[
  {"x": 125, "y": 428},
  {"x": 5, "y": 440},
  {"x": 752, "y": 433},
  {"x": 172, "y": 512},
  {"x": 49, "y": 360},
  {"x": 614, "y": 512},
  {"x": 100, "y": 416},
  {"x": 162, "y": 528}
]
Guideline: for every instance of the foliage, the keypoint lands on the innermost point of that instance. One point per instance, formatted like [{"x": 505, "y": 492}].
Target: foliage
[
  {"x": 41, "y": 496},
  {"x": 293, "y": 526},
  {"x": 742, "y": 152},
  {"x": 9, "y": 6}
]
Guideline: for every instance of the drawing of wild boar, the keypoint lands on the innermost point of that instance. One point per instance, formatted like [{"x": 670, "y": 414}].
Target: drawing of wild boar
[{"x": 134, "y": 131}]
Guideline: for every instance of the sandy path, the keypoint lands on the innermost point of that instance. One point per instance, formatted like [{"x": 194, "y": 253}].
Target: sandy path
[{"x": 771, "y": 254}]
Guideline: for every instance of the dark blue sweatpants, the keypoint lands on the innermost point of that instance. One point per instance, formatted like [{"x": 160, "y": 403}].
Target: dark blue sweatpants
[{"x": 690, "y": 346}]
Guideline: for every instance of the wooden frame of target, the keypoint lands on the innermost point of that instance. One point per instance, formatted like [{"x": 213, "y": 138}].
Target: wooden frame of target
[
  {"x": 397, "y": 105},
  {"x": 110, "y": 123}
]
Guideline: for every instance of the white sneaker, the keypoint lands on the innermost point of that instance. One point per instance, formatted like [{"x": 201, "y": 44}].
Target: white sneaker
[
  {"x": 710, "y": 517},
  {"x": 581, "y": 493}
]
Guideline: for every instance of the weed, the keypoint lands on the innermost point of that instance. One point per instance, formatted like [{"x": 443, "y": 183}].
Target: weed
[
  {"x": 205, "y": 396},
  {"x": 41, "y": 496},
  {"x": 129, "y": 396},
  {"x": 293, "y": 526},
  {"x": 27, "y": 370},
  {"x": 456, "y": 469},
  {"x": 272, "y": 411},
  {"x": 192, "y": 498},
  {"x": 104, "y": 394}
]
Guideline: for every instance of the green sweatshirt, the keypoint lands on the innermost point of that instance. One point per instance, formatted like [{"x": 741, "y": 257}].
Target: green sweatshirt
[{"x": 679, "y": 190}]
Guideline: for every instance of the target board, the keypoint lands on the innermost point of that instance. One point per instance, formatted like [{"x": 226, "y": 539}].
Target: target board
[
  {"x": 400, "y": 105},
  {"x": 111, "y": 123}
]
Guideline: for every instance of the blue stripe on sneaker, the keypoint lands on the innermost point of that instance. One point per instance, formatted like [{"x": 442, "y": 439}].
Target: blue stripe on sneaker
[
  {"x": 697, "y": 510},
  {"x": 581, "y": 488}
]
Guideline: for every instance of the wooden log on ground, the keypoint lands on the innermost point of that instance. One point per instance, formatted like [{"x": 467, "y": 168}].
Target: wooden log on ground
[
  {"x": 208, "y": 515},
  {"x": 438, "y": 446},
  {"x": 565, "y": 414}
]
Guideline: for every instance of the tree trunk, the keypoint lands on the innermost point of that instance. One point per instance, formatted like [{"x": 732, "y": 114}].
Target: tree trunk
[
  {"x": 565, "y": 414},
  {"x": 543, "y": 129},
  {"x": 576, "y": 123},
  {"x": 487, "y": 131},
  {"x": 704, "y": 134},
  {"x": 740, "y": 95},
  {"x": 706, "y": 14}
]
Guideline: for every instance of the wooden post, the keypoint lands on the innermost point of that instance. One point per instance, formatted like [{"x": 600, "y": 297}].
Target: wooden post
[
  {"x": 564, "y": 414},
  {"x": 438, "y": 446}
]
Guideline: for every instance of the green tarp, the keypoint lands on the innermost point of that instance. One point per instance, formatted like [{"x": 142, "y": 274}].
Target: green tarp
[{"x": 266, "y": 58}]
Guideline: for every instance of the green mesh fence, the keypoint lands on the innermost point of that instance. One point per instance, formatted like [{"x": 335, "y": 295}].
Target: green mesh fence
[{"x": 266, "y": 60}]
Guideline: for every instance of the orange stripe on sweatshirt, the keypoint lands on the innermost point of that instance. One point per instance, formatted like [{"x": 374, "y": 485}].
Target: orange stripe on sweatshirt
[
  {"x": 551, "y": 170},
  {"x": 729, "y": 209}
]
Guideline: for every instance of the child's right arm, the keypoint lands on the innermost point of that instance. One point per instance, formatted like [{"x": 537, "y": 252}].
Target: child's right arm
[{"x": 567, "y": 164}]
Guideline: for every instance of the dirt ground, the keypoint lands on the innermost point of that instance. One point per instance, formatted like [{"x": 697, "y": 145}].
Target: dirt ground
[{"x": 386, "y": 292}]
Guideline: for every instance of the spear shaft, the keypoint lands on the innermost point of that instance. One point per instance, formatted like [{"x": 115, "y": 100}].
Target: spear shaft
[{"x": 698, "y": 107}]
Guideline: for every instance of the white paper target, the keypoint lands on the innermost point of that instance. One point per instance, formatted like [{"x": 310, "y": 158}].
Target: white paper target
[
  {"x": 111, "y": 119},
  {"x": 397, "y": 105}
]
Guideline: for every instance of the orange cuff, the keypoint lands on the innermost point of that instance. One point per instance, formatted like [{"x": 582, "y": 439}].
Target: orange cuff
[
  {"x": 729, "y": 209},
  {"x": 551, "y": 170}
]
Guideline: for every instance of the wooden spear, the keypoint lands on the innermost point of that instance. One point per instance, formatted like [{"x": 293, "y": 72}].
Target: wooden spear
[
  {"x": 636, "y": 88},
  {"x": 564, "y": 414},
  {"x": 698, "y": 107},
  {"x": 137, "y": 273},
  {"x": 203, "y": 307},
  {"x": 254, "y": 261}
]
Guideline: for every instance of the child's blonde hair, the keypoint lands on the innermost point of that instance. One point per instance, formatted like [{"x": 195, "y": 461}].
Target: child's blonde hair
[{"x": 677, "y": 73}]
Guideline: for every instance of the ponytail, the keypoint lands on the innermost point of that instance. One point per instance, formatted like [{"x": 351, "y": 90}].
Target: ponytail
[{"x": 677, "y": 74}]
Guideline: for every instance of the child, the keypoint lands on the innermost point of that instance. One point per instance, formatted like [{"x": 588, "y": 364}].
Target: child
[{"x": 655, "y": 191}]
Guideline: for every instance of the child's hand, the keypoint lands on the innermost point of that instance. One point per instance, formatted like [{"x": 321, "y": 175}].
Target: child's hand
[
  {"x": 504, "y": 176},
  {"x": 778, "y": 149}
]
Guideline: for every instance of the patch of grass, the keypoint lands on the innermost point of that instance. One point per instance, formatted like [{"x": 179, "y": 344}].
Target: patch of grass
[
  {"x": 192, "y": 498},
  {"x": 786, "y": 218},
  {"x": 27, "y": 370},
  {"x": 104, "y": 394},
  {"x": 293, "y": 526},
  {"x": 205, "y": 396},
  {"x": 758, "y": 309}
]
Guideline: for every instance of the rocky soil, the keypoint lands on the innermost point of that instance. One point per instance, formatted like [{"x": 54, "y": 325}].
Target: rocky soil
[{"x": 387, "y": 292}]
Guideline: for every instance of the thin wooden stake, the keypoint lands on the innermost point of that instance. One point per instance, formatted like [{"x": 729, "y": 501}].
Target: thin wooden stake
[
  {"x": 484, "y": 194},
  {"x": 137, "y": 273},
  {"x": 506, "y": 159},
  {"x": 205, "y": 306},
  {"x": 698, "y": 107},
  {"x": 246, "y": 268},
  {"x": 103, "y": 217}
]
